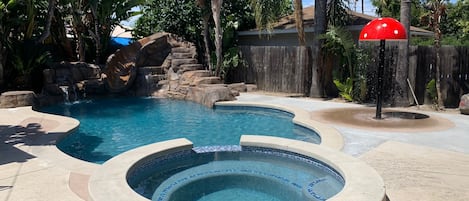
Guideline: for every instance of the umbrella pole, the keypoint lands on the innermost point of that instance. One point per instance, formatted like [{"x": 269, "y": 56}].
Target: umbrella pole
[{"x": 379, "y": 92}]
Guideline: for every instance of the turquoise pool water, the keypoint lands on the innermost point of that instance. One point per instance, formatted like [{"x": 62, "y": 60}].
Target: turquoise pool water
[
  {"x": 111, "y": 126},
  {"x": 260, "y": 175}
]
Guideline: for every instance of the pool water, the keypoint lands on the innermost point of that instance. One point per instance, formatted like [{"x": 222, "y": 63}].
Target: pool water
[
  {"x": 109, "y": 127},
  {"x": 240, "y": 175}
]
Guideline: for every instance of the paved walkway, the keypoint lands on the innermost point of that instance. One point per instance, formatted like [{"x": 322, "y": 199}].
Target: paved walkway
[
  {"x": 428, "y": 165},
  {"x": 415, "y": 166}
]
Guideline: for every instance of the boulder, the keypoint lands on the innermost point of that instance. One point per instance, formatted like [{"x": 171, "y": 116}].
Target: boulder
[
  {"x": 240, "y": 87},
  {"x": 464, "y": 104},
  {"x": 11, "y": 99},
  {"x": 208, "y": 96},
  {"x": 251, "y": 87},
  {"x": 189, "y": 76},
  {"x": 205, "y": 80}
]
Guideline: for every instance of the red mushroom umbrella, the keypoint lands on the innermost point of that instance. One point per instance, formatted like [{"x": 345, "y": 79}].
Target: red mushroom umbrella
[{"x": 382, "y": 29}]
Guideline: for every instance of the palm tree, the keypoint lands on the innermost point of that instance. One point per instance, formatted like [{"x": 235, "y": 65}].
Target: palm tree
[
  {"x": 320, "y": 24},
  {"x": 402, "y": 71},
  {"x": 206, "y": 30},
  {"x": 298, "y": 5},
  {"x": 267, "y": 12},
  {"x": 216, "y": 9},
  {"x": 437, "y": 9}
]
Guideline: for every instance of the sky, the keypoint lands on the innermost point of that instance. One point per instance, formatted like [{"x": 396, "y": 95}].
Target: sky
[{"x": 368, "y": 8}]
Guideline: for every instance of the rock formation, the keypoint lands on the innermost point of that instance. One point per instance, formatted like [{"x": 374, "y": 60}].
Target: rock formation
[
  {"x": 161, "y": 65},
  {"x": 164, "y": 65}
]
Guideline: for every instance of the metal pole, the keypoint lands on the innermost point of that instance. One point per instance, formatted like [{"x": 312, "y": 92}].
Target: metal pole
[{"x": 379, "y": 92}]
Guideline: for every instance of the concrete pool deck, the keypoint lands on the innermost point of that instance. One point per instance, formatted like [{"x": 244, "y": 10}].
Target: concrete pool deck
[{"x": 428, "y": 165}]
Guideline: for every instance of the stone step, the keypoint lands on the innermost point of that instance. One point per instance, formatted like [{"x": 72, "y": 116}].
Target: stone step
[
  {"x": 176, "y": 63},
  {"x": 146, "y": 70},
  {"x": 205, "y": 80},
  {"x": 189, "y": 67},
  {"x": 182, "y": 50},
  {"x": 178, "y": 55},
  {"x": 156, "y": 77},
  {"x": 188, "y": 77}
]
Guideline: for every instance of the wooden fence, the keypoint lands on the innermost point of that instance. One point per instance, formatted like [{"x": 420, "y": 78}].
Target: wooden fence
[
  {"x": 454, "y": 73},
  {"x": 288, "y": 69},
  {"x": 275, "y": 68}
]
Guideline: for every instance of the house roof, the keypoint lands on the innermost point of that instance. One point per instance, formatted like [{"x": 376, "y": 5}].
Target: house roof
[
  {"x": 358, "y": 21},
  {"x": 121, "y": 31}
]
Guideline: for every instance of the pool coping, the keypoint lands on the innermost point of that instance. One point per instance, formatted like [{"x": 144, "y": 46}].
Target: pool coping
[
  {"x": 53, "y": 156},
  {"x": 330, "y": 137},
  {"x": 362, "y": 182},
  {"x": 50, "y": 137}
]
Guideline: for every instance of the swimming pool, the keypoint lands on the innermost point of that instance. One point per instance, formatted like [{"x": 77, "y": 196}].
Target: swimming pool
[
  {"x": 109, "y": 127},
  {"x": 259, "y": 168},
  {"x": 226, "y": 173}
]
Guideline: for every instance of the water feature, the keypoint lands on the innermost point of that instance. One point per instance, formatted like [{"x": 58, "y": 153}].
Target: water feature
[
  {"x": 65, "y": 93},
  {"x": 112, "y": 126},
  {"x": 392, "y": 119}
]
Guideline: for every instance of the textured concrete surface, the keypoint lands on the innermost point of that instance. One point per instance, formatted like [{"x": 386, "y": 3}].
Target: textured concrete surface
[
  {"x": 419, "y": 173},
  {"x": 31, "y": 167}
]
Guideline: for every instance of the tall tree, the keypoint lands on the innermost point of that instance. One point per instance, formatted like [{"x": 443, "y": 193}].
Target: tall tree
[
  {"x": 203, "y": 5},
  {"x": 22, "y": 22},
  {"x": 456, "y": 23},
  {"x": 267, "y": 12},
  {"x": 216, "y": 9},
  {"x": 51, "y": 15},
  {"x": 298, "y": 5},
  {"x": 437, "y": 9},
  {"x": 106, "y": 15},
  {"x": 320, "y": 25},
  {"x": 2, "y": 39},
  {"x": 181, "y": 17},
  {"x": 392, "y": 8},
  {"x": 96, "y": 19},
  {"x": 337, "y": 14},
  {"x": 401, "y": 89}
]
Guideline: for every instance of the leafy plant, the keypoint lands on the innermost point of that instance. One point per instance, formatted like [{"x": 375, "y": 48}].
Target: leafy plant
[
  {"x": 431, "y": 91},
  {"x": 345, "y": 89},
  {"x": 339, "y": 41},
  {"x": 24, "y": 58}
]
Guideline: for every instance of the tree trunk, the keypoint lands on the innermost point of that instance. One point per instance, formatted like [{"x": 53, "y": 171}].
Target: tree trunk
[
  {"x": 299, "y": 22},
  {"x": 400, "y": 93},
  {"x": 96, "y": 36},
  {"x": 2, "y": 62},
  {"x": 50, "y": 12},
  {"x": 206, "y": 35},
  {"x": 81, "y": 48},
  {"x": 206, "y": 32},
  {"x": 438, "y": 58},
  {"x": 216, "y": 9},
  {"x": 317, "y": 87}
]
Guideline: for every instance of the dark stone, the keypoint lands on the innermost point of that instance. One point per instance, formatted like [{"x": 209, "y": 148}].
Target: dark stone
[
  {"x": 464, "y": 104},
  {"x": 240, "y": 87},
  {"x": 208, "y": 96}
]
